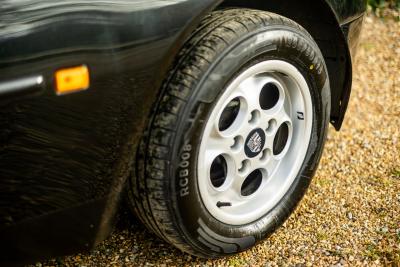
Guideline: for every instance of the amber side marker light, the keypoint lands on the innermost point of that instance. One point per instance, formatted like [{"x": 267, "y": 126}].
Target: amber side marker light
[{"x": 70, "y": 80}]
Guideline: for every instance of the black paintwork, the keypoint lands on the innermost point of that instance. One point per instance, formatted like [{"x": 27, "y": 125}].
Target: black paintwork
[{"x": 61, "y": 155}]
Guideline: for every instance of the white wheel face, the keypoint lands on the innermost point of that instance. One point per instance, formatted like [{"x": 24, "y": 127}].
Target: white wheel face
[{"x": 255, "y": 142}]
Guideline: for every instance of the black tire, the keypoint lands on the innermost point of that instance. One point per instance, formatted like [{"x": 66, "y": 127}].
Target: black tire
[{"x": 163, "y": 189}]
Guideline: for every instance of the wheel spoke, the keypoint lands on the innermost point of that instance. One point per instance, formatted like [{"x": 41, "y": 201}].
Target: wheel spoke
[
  {"x": 271, "y": 166},
  {"x": 283, "y": 114},
  {"x": 219, "y": 143},
  {"x": 250, "y": 88},
  {"x": 238, "y": 182}
]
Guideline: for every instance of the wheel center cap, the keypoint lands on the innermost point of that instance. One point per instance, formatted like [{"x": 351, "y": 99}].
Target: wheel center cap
[{"x": 254, "y": 143}]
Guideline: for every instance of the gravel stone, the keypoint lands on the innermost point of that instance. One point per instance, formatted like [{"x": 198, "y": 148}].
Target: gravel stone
[
  {"x": 360, "y": 171},
  {"x": 350, "y": 216}
]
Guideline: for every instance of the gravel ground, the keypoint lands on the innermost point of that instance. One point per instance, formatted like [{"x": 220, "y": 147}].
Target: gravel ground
[{"x": 351, "y": 214}]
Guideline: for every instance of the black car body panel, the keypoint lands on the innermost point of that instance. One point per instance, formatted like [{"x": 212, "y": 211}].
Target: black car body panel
[{"x": 64, "y": 159}]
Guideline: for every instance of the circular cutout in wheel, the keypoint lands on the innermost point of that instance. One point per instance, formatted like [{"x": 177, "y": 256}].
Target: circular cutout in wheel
[{"x": 231, "y": 149}]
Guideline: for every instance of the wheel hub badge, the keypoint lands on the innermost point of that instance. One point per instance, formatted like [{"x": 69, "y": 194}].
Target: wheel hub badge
[{"x": 254, "y": 143}]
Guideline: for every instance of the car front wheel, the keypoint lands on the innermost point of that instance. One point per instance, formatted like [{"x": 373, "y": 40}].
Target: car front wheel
[{"x": 236, "y": 135}]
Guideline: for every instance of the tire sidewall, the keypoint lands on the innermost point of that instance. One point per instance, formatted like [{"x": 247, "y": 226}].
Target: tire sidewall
[{"x": 275, "y": 43}]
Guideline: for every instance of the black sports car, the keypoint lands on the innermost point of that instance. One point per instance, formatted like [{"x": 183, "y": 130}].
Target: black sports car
[{"x": 208, "y": 117}]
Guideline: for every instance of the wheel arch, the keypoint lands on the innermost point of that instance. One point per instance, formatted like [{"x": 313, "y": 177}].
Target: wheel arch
[{"x": 321, "y": 21}]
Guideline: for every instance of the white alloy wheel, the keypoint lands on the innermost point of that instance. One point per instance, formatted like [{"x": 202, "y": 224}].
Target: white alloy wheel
[{"x": 255, "y": 142}]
